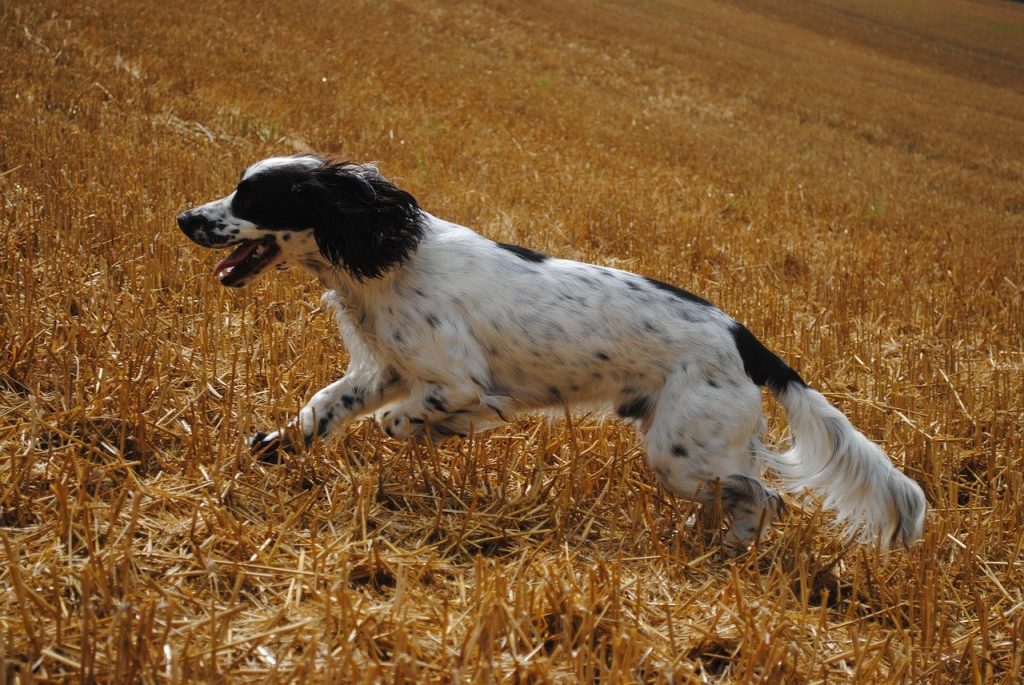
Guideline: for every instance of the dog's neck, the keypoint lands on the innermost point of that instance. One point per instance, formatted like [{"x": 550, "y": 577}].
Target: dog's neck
[
  {"x": 359, "y": 289},
  {"x": 357, "y": 292}
]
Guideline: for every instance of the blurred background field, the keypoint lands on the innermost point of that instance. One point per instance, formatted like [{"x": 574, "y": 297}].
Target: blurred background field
[{"x": 847, "y": 178}]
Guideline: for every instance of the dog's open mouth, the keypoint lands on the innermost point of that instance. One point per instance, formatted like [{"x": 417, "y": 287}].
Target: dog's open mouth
[{"x": 247, "y": 260}]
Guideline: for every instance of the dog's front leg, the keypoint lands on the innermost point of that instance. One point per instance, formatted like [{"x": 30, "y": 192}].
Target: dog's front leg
[
  {"x": 443, "y": 411},
  {"x": 332, "y": 407}
]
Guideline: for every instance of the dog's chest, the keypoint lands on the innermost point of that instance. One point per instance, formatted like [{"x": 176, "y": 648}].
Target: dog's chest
[{"x": 380, "y": 329}]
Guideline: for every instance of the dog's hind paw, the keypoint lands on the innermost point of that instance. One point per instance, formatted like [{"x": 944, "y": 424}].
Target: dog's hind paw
[{"x": 269, "y": 447}]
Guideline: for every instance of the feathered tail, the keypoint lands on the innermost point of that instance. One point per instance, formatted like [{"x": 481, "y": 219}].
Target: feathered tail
[
  {"x": 852, "y": 474},
  {"x": 833, "y": 459}
]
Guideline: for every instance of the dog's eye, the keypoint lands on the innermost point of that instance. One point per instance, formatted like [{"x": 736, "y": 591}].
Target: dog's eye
[{"x": 241, "y": 201}]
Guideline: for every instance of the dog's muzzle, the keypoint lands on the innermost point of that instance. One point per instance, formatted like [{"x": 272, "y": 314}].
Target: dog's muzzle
[
  {"x": 249, "y": 258},
  {"x": 190, "y": 223},
  {"x": 201, "y": 230}
]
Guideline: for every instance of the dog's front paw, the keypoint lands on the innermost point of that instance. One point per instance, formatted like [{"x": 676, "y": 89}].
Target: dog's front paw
[
  {"x": 404, "y": 427},
  {"x": 395, "y": 424},
  {"x": 401, "y": 426}
]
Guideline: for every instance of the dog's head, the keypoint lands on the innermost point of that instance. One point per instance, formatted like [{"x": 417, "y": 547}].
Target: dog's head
[{"x": 312, "y": 211}]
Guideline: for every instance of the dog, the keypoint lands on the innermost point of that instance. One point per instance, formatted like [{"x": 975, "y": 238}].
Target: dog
[{"x": 452, "y": 332}]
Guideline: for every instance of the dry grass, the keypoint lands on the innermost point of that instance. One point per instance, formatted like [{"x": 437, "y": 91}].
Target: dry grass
[{"x": 845, "y": 177}]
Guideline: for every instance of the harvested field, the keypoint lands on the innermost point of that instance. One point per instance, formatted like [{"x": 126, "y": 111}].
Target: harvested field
[{"x": 847, "y": 178}]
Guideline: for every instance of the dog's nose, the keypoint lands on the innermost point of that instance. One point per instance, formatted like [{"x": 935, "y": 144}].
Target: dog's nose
[{"x": 189, "y": 222}]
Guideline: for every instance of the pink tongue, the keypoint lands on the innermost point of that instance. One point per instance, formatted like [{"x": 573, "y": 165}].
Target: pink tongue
[{"x": 241, "y": 253}]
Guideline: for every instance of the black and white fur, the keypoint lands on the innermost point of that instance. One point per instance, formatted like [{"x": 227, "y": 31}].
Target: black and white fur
[{"x": 450, "y": 331}]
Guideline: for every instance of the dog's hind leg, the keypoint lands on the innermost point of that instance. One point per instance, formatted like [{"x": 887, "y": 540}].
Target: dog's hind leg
[
  {"x": 702, "y": 444},
  {"x": 753, "y": 507}
]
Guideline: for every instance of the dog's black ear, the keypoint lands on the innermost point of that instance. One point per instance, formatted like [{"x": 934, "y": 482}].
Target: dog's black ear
[{"x": 361, "y": 221}]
